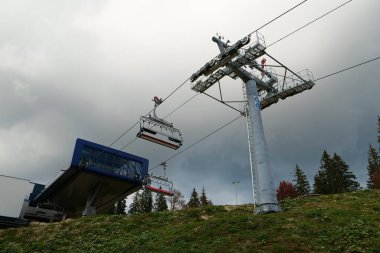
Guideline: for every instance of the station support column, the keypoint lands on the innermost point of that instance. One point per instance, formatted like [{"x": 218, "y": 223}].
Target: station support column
[
  {"x": 263, "y": 179},
  {"x": 90, "y": 208}
]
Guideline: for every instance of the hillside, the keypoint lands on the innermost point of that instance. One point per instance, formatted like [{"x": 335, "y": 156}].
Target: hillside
[{"x": 334, "y": 223}]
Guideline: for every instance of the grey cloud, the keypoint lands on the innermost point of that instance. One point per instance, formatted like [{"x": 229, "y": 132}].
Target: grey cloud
[{"x": 90, "y": 69}]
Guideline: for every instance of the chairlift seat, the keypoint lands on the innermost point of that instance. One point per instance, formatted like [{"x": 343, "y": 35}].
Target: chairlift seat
[
  {"x": 158, "y": 190},
  {"x": 160, "y": 132}
]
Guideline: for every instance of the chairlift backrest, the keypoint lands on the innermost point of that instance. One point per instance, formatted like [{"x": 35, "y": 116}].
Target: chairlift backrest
[
  {"x": 157, "y": 183},
  {"x": 159, "y": 131}
]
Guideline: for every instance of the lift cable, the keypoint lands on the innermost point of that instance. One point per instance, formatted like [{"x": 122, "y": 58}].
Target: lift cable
[
  {"x": 320, "y": 17},
  {"x": 129, "y": 129},
  {"x": 183, "y": 83},
  {"x": 187, "y": 101},
  {"x": 176, "y": 89},
  {"x": 277, "y": 17},
  {"x": 198, "y": 141},
  {"x": 343, "y": 70},
  {"x": 314, "y": 20},
  {"x": 225, "y": 125},
  {"x": 118, "y": 138},
  {"x": 284, "y": 37}
]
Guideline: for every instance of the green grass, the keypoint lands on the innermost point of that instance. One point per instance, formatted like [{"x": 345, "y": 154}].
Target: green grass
[{"x": 347, "y": 222}]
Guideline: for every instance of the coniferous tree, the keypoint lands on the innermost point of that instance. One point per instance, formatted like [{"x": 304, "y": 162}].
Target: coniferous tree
[
  {"x": 177, "y": 201},
  {"x": 194, "y": 200},
  {"x": 135, "y": 206},
  {"x": 302, "y": 184},
  {"x": 373, "y": 166},
  {"x": 146, "y": 201},
  {"x": 334, "y": 176},
  {"x": 321, "y": 183},
  {"x": 203, "y": 199},
  {"x": 120, "y": 206},
  {"x": 160, "y": 204},
  {"x": 346, "y": 178}
]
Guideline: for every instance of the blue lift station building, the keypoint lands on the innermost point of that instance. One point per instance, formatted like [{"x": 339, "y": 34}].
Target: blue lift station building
[{"x": 97, "y": 177}]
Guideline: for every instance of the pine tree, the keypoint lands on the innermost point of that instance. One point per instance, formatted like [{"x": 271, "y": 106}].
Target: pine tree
[
  {"x": 160, "y": 204},
  {"x": 146, "y": 201},
  {"x": 302, "y": 184},
  {"x": 120, "y": 206},
  {"x": 194, "y": 200},
  {"x": 177, "y": 201},
  {"x": 334, "y": 176},
  {"x": 286, "y": 190},
  {"x": 373, "y": 166},
  {"x": 346, "y": 178},
  {"x": 321, "y": 183},
  {"x": 135, "y": 206},
  {"x": 203, "y": 199}
]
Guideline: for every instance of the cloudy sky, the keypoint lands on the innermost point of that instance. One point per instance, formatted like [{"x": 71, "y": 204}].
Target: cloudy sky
[{"x": 89, "y": 69}]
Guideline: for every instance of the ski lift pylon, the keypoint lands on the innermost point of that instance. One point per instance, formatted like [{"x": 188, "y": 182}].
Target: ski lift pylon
[{"x": 159, "y": 131}]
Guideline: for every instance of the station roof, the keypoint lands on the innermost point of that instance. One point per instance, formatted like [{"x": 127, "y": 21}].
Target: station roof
[{"x": 94, "y": 166}]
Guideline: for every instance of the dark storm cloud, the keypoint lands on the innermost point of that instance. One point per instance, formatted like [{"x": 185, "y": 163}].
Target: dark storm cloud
[{"x": 89, "y": 70}]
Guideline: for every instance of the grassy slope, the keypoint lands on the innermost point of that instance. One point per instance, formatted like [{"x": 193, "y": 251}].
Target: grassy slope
[{"x": 335, "y": 223}]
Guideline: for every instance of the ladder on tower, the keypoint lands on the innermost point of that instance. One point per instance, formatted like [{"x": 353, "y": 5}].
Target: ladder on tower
[{"x": 250, "y": 143}]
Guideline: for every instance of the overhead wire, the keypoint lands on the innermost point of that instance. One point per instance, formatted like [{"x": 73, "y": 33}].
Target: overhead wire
[
  {"x": 343, "y": 70},
  {"x": 176, "y": 109},
  {"x": 183, "y": 83},
  {"x": 316, "y": 19},
  {"x": 228, "y": 123},
  {"x": 279, "y": 16},
  {"x": 176, "y": 89},
  {"x": 311, "y": 22},
  {"x": 198, "y": 141},
  {"x": 124, "y": 133},
  {"x": 269, "y": 22},
  {"x": 135, "y": 124}
]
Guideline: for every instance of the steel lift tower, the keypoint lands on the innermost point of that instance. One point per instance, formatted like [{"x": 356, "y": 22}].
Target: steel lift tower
[{"x": 262, "y": 87}]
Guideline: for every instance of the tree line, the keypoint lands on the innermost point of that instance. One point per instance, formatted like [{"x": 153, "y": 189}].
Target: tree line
[
  {"x": 333, "y": 175},
  {"x": 143, "y": 202}
]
